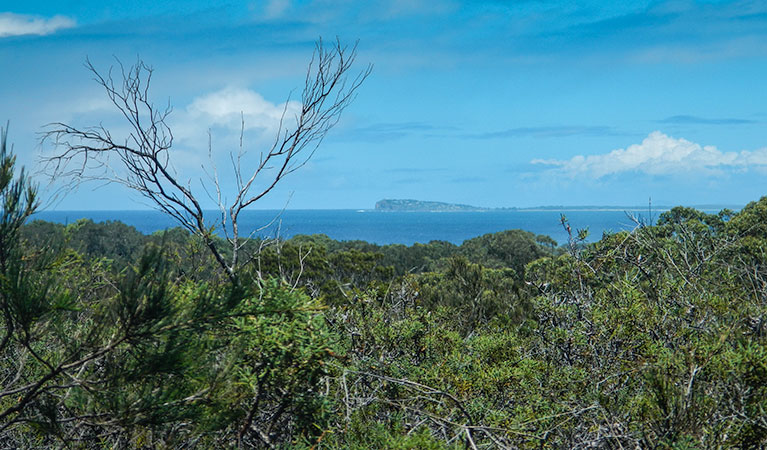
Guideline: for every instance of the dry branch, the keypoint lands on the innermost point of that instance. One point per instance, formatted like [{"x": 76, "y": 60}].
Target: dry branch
[{"x": 144, "y": 163}]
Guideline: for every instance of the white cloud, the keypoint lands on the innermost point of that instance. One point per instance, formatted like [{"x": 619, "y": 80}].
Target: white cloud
[
  {"x": 18, "y": 24},
  {"x": 344, "y": 11},
  {"x": 229, "y": 107},
  {"x": 224, "y": 113},
  {"x": 659, "y": 154},
  {"x": 398, "y": 8},
  {"x": 275, "y": 9}
]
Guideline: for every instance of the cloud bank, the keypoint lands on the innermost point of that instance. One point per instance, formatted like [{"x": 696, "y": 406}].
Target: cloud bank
[
  {"x": 549, "y": 132},
  {"x": 229, "y": 107},
  {"x": 694, "y": 120},
  {"x": 659, "y": 154},
  {"x": 225, "y": 113},
  {"x": 19, "y": 25}
]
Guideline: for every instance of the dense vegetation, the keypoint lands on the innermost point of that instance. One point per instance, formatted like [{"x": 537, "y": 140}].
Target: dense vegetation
[{"x": 655, "y": 338}]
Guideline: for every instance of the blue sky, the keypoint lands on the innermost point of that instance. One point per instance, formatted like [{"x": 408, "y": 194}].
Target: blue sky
[{"x": 491, "y": 103}]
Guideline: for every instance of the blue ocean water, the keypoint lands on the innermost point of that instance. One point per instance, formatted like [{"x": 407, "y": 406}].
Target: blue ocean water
[{"x": 382, "y": 227}]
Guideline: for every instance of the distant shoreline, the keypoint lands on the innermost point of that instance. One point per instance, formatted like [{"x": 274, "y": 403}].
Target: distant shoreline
[
  {"x": 533, "y": 209},
  {"x": 565, "y": 209},
  {"x": 370, "y": 210},
  {"x": 407, "y": 205}
]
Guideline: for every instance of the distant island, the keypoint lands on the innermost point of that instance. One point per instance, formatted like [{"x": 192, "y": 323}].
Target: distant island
[
  {"x": 418, "y": 205},
  {"x": 409, "y": 205}
]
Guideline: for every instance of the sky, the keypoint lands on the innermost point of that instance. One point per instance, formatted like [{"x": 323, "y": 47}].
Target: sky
[{"x": 489, "y": 103}]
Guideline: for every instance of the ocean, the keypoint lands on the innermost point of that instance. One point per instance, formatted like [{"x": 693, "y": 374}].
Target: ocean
[{"x": 384, "y": 227}]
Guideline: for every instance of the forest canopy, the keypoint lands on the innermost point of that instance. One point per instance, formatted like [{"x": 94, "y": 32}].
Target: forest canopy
[{"x": 653, "y": 338}]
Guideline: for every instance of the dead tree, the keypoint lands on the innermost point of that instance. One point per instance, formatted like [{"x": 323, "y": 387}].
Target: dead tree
[{"x": 145, "y": 165}]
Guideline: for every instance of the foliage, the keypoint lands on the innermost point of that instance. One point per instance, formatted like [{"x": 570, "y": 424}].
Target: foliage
[
  {"x": 512, "y": 249},
  {"x": 474, "y": 293},
  {"x": 100, "y": 351},
  {"x": 655, "y": 338}
]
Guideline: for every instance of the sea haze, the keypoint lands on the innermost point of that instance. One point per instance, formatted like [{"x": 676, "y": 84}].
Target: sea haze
[{"x": 382, "y": 227}]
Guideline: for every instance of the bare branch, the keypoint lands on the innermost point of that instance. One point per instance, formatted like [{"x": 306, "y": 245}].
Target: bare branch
[{"x": 144, "y": 162}]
